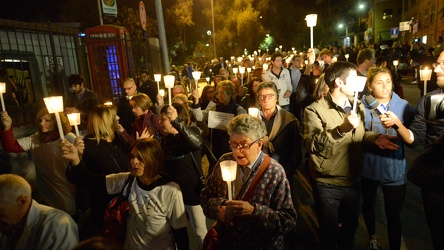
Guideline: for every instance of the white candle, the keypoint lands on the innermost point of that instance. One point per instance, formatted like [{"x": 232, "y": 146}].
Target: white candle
[
  {"x": 358, "y": 85},
  {"x": 425, "y": 75},
  {"x": 74, "y": 120},
  {"x": 2, "y": 90},
  {"x": 169, "y": 83},
  {"x": 253, "y": 112},
  {"x": 228, "y": 169},
  {"x": 54, "y": 104},
  {"x": 162, "y": 92},
  {"x": 196, "y": 76}
]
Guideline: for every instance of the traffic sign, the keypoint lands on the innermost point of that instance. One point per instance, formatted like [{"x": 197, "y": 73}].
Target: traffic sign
[
  {"x": 404, "y": 26},
  {"x": 142, "y": 13},
  {"x": 394, "y": 32}
]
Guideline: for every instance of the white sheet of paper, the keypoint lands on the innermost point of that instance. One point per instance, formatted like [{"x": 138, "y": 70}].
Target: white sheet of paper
[
  {"x": 219, "y": 120},
  {"x": 211, "y": 104}
]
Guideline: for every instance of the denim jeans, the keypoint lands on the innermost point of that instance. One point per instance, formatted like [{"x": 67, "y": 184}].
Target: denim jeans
[{"x": 335, "y": 206}]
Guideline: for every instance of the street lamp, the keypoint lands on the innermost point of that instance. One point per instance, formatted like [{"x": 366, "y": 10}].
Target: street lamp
[
  {"x": 311, "y": 22},
  {"x": 346, "y": 28},
  {"x": 214, "y": 33}
]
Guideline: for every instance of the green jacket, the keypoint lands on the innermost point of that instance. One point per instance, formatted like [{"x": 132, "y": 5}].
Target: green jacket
[{"x": 334, "y": 159}]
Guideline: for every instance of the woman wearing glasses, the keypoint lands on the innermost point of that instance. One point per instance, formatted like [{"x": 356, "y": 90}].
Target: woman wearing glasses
[
  {"x": 260, "y": 221},
  {"x": 282, "y": 141}
]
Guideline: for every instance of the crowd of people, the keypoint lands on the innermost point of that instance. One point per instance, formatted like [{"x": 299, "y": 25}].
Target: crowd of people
[{"x": 263, "y": 118}]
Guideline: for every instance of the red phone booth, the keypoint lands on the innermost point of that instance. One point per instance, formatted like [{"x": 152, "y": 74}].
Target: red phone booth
[{"x": 110, "y": 58}]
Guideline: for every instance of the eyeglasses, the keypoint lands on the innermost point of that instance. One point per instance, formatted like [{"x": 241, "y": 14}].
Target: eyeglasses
[
  {"x": 268, "y": 97},
  {"x": 241, "y": 146}
]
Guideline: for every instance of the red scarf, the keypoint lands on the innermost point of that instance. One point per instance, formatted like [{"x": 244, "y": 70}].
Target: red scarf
[{"x": 50, "y": 136}]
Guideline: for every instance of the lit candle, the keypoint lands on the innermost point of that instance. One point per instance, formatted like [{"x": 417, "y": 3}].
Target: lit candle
[
  {"x": 242, "y": 71},
  {"x": 54, "y": 104},
  {"x": 208, "y": 80},
  {"x": 108, "y": 104},
  {"x": 347, "y": 56},
  {"x": 157, "y": 78},
  {"x": 228, "y": 169},
  {"x": 169, "y": 83},
  {"x": 425, "y": 75},
  {"x": 265, "y": 66},
  {"x": 74, "y": 120},
  {"x": 358, "y": 86},
  {"x": 2, "y": 90},
  {"x": 253, "y": 112},
  {"x": 162, "y": 92},
  {"x": 196, "y": 76}
]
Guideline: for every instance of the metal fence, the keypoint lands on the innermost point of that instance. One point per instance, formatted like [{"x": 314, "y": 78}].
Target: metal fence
[{"x": 40, "y": 57}]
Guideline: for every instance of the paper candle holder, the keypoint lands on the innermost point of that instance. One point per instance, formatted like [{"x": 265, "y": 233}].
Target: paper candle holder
[
  {"x": 157, "y": 77},
  {"x": 74, "y": 118},
  {"x": 54, "y": 104},
  {"x": 2, "y": 87},
  {"x": 253, "y": 112}
]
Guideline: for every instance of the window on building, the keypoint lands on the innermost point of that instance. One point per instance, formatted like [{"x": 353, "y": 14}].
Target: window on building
[{"x": 387, "y": 14}]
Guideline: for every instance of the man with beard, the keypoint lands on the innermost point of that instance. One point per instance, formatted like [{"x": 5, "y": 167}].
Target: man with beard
[
  {"x": 426, "y": 133},
  {"x": 82, "y": 100}
]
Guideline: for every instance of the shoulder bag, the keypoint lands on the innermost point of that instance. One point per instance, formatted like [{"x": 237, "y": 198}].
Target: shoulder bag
[{"x": 114, "y": 223}]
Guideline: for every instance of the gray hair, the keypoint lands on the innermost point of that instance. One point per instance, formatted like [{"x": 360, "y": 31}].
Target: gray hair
[
  {"x": 247, "y": 125},
  {"x": 264, "y": 85},
  {"x": 13, "y": 186}
]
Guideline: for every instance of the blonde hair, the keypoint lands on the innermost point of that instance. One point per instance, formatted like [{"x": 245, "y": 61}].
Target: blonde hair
[
  {"x": 181, "y": 97},
  {"x": 102, "y": 122}
]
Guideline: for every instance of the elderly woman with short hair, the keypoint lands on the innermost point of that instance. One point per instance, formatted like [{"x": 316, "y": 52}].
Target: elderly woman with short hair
[
  {"x": 260, "y": 221},
  {"x": 225, "y": 94}
]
